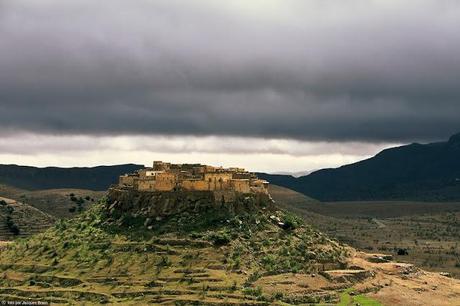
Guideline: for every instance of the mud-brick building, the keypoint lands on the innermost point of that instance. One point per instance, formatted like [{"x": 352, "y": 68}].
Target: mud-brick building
[{"x": 164, "y": 176}]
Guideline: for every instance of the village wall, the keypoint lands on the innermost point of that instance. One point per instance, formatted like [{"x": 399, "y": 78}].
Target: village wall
[
  {"x": 198, "y": 185},
  {"x": 241, "y": 185},
  {"x": 145, "y": 185},
  {"x": 218, "y": 180},
  {"x": 127, "y": 180},
  {"x": 165, "y": 181}
]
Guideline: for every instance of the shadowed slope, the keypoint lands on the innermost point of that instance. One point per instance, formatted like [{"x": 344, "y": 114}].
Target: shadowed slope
[{"x": 427, "y": 172}]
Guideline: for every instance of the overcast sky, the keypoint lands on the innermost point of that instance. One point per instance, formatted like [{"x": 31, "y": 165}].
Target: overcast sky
[{"x": 272, "y": 85}]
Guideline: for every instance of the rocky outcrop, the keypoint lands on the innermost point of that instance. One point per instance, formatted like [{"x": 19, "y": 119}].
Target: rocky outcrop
[{"x": 160, "y": 204}]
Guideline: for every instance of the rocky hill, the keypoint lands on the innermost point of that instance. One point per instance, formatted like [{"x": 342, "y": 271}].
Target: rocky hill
[
  {"x": 427, "y": 172},
  {"x": 247, "y": 252},
  {"x": 204, "y": 255}
]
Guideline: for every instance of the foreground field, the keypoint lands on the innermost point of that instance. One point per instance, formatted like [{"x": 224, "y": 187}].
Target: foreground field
[
  {"x": 427, "y": 234},
  {"x": 202, "y": 259},
  {"x": 261, "y": 257}
]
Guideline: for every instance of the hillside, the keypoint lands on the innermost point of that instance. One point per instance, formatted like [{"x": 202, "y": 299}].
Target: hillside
[
  {"x": 206, "y": 257},
  {"x": 59, "y": 203},
  {"x": 33, "y": 178},
  {"x": 20, "y": 220},
  {"x": 254, "y": 255},
  {"x": 427, "y": 172}
]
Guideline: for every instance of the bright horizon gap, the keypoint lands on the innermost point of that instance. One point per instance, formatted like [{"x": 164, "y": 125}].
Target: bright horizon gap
[{"x": 254, "y": 154}]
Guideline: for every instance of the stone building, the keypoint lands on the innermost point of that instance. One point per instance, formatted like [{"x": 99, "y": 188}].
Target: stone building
[{"x": 193, "y": 177}]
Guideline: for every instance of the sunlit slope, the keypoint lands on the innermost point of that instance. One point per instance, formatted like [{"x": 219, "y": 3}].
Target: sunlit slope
[{"x": 203, "y": 258}]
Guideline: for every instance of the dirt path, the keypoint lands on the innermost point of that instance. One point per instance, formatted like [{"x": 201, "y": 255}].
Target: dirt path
[{"x": 404, "y": 284}]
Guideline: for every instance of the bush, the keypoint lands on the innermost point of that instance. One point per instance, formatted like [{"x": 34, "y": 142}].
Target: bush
[
  {"x": 11, "y": 226},
  {"x": 291, "y": 222},
  {"x": 257, "y": 292},
  {"x": 2, "y": 203},
  {"x": 278, "y": 295},
  {"x": 402, "y": 252},
  {"x": 72, "y": 209},
  {"x": 9, "y": 210},
  {"x": 164, "y": 261},
  {"x": 220, "y": 238}
]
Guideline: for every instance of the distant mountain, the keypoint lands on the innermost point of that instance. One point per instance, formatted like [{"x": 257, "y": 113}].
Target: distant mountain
[
  {"x": 428, "y": 172},
  {"x": 424, "y": 172},
  {"x": 294, "y": 174},
  {"x": 32, "y": 178}
]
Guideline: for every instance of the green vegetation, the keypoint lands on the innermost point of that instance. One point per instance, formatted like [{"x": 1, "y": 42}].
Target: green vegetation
[
  {"x": 190, "y": 259},
  {"x": 348, "y": 298},
  {"x": 12, "y": 226},
  {"x": 78, "y": 201}
]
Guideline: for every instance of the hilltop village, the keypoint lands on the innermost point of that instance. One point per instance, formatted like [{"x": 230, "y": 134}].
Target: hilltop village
[{"x": 193, "y": 177}]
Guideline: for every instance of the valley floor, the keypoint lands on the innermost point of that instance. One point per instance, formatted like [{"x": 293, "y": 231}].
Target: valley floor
[{"x": 426, "y": 234}]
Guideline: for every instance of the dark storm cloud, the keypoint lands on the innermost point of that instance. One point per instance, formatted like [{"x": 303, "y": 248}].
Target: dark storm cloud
[{"x": 314, "y": 70}]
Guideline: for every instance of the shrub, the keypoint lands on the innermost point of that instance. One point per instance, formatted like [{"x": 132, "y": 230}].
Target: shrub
[
  {"x": 278, "y": 295},
  {"x": 291, "y": 222},
  {"x": 9, "y": 210},
  {"x": 234, "y": 286},
  {"x": 220, "y": 238},
  {"x": 269, "y": 262},
  {"x": 253, "y": 291},
  {"x": 11, "y": 226},
  {"x": 252, "y": 278},
  {"x": 402, "y": 252},
  {"x": 164, "y": 261},
  {"x": 2, "y": 203}
]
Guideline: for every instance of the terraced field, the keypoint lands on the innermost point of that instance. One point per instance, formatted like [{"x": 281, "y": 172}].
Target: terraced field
[
  {"x": 201, "y": 276},
  {"x": 20, "y": 220},
  {"x": 267, "y": 257},
  {"x": 59, "y": 203},
  {"x": 237, "y": 261}
]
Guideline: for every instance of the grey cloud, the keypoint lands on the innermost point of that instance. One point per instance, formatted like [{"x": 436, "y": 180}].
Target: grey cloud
[
  {"x": 32, "y": 144},
  {"x": 309, "y": 70}
]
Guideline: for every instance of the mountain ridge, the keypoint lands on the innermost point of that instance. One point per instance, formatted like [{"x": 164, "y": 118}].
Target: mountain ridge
[
  {"x": 429, "y": 172},
  {"x": 92, "y": 178},
  {"x": 422, "y": 172}
]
